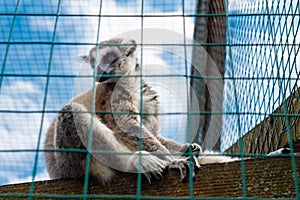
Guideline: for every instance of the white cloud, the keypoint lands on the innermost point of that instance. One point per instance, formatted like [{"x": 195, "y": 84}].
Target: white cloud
[
  {"x": 14, "y": 178},
  {"x": 21, "y": 127},
  {"x": 112, "y": 26},
  {"x": 42, "y": 23},
  {"x": 20, "y": 131}
]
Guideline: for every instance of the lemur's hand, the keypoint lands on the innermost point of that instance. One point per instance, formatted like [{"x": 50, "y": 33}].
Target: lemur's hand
[
  {"x": 193, "y": 150},
  {"x": 189, "y": 162}
]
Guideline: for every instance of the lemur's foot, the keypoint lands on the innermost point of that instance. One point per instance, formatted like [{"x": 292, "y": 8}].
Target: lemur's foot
[
  {"x": 149, "y": 165},
  {"x": 185, "y": 167},
  {"x": 158, "y": 174},
  {"x": 186, "y": 164}
]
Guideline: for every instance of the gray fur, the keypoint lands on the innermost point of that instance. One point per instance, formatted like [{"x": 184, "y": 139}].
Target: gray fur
[{"x": 116, "y": 138}]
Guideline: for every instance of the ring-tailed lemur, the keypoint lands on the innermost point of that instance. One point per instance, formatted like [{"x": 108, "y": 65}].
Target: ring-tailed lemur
[
  {"x": 119, "y": 137},
  {"x": 116, "y": 134}
]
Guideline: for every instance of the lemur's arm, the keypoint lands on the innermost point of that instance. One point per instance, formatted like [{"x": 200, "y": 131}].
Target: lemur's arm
[
  {"x": 172, "y": 145},
  {"x": 128, "y": 121},
  {"x": 151, "y": 123},
  {"x": 115, "y": 154},
  {"x": 134, "y": 129}
]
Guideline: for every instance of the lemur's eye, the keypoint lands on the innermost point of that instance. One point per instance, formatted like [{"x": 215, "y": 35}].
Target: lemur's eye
[{"x": 110, "y": 58}]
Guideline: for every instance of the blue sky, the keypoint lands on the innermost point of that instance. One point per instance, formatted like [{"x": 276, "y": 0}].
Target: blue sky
[
  {"x": 31, "y": 54},
  {"x": 268, "y": 61},
  {"x": 27, "y": 64}
]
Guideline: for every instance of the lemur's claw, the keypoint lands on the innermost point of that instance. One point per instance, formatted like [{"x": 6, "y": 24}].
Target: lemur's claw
[{"x": 184, "y": 166}]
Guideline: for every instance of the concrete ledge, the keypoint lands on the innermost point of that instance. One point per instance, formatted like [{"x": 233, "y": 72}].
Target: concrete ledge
[{"x": 267, "y": 177}]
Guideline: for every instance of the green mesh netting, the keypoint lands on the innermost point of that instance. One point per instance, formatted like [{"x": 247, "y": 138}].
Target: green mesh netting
[{"x": 39, "y": 42}]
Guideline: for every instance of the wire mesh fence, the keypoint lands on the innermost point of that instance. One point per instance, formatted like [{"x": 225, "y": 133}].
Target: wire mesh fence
[
  {"x": 253, "y": 45},
  {"x": 262, "y": 64}
]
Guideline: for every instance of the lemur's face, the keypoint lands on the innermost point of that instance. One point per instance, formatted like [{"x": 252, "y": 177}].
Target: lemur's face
[{"x": 115, "y": 56}]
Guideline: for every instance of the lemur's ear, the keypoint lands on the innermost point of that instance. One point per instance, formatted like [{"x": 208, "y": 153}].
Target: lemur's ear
[{"x": 85, "y": 58}]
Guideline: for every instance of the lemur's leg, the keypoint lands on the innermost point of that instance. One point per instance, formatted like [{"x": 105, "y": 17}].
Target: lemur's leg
[
  {"x": 64, "y": 157},
  {"x": 114, "y": 154},
  {"x": 131, "y": 125},
  {"x": 174, "y": 146},
  {"x": 50, "y": 160},
  {"x": 69, "y": 161}
]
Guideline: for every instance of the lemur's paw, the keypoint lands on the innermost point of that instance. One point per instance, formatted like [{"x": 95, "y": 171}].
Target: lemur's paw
[
  {"x": 283, "y": 150},
  {"x": 184, "y": 165},
  {"x": 149, "y": 165},
  {"x": 194, "y": 150},
  {"x": 158, "y": 174}
]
